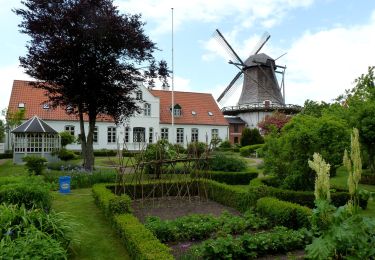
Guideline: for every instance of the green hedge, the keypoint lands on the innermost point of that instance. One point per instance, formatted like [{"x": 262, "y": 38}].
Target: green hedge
[
  {"x": 6, "y": 155},
  {"x": 250, "y": 149},
  {"x": 109, "y": 202},
  {"x": 304, "y": 198},
  {"x": 368, "y": 178},
  {"x": 232, "y": 178},
  {"x": 31, "y": 192},
  {"x": 284, "y": 213},
  {"x": 139, "y": 241}
]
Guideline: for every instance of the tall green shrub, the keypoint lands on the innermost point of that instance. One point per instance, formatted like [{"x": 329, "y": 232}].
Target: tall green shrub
[{"x": 35, "y": 164}]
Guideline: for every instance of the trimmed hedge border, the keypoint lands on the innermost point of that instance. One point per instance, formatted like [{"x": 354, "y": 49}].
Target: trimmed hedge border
[
  {"x": 6, "y": 155},
  {"x": 138, "y": 240},
  {"x": 248, "y": 150},
  {"x": 284, "y": 213},
  {"x": 232, "y": 178}
]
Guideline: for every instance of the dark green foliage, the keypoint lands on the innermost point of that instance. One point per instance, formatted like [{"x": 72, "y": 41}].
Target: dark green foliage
[
  {"x": 62, "y": 166},
  {"x": 232, "y": 178},
  {"x": 179, "y": 149},
  {"x": 284, "y": 213},
  {"x": 193, "y": 227},
  {"x": 225, "y": 144},
  {"x": 313, "y": 108},
  {"x": 35, "y": 164},
  {"x": 139, "y": 241},
  {"x": 344, "y": 236},
  {"x": 110, "y": 203},
  {"x": 33, "y": 234},
  {"x": 251, "y": 136},
  {"x": 31, "y": 192},
  {"x": 250, "y": 149},
  {"x": 222, "y": 162},
  {"x": 66, "y": 138},
  {"x": 6, "y": 155},
  {"x": 196, "y": 149},
  {"x": 251, "y": 246},
  {"x": 66, "y": 155},
  {"x": 2, "y": 131},
  {"x": 368, "y": 178},
  {"x": 105, "y": 152},
  {"x": 287, "y": 154}
]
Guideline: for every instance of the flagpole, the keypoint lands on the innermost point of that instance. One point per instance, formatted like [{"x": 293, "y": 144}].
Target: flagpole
[{"x": 173, "y": 132}]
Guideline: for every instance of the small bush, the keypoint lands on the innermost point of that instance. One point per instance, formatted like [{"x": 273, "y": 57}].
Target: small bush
[
  {"x": 225, "y": 144},
  {"x": 6, "y": 155},
  {"x": 66, "y": 138},
  {"x": 179, "y": 149},
  {"x": 196, "y": 149},
  {"x": 66, "y": 155},
  {"x": 35, "y": 164},
  {"x": 110, "y": 203},
  {"x": 232, "y": 178},
  {"x": 139, "y": 241},
  {"x": 248, "y": 150},
  {"x": 284, "y": 213},
  {"x": 31, "y": 192},
  {"x": 105, "y": 152},
  {"x": 222, "y": 162}
]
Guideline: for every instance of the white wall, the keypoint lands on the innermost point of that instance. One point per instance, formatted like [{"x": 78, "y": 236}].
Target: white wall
[{"x": 253, "y": 118}]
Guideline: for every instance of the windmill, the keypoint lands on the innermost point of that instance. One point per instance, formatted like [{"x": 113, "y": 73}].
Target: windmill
[{"x": 258, "y": 71}]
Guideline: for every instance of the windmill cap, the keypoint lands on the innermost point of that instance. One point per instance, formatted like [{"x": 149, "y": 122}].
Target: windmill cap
[{"x": 259, "y": 59}]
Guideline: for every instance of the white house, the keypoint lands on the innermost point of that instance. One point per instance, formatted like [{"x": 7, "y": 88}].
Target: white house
[{"x": 197, "y": 117}]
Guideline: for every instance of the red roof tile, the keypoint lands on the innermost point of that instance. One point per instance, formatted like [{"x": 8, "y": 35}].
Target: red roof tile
[
  {"x": 34, "y": 98},
  {"x": 200, "y": 103}
]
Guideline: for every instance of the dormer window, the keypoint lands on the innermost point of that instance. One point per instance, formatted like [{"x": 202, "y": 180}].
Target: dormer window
[
  {"x": 177, "y": 110},
  {"x": 210, "y": 113},
  {"x": 139, "y": 95},
  {"x": 21, "y": 105},
  {"x": 45, "y": 106},
  {"x": 69, "y": 108},
  {"x": 193, "y": 113}
]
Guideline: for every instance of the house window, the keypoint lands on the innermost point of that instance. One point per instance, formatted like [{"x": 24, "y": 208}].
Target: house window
[
  {"x": 177, "y": 110},
  {"x": 180, "y": 135},
  {"x": 236, "y": 139},
  {"x": 70, "y": 129},
  {"x": 111, "y": 134},
  {"x": 164, "y": 133},
  {"x": 214, "y": 134},
  {"x": 150, "y": 135},
  {"x": 194, "y": 134},
  {"x": 139, "y": 95},
  {"x": 127, "y": 132},
  {"x": 95, "y": 135},
  {"x": 139, "y": 134},
  {"x": 45, "y": 106},
  {"x": 34, "y": 143},
  {"x": 147, "y": 109},
  {"x": 235, "y": 128}
]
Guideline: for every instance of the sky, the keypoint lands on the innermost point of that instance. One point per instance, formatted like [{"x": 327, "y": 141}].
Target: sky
[{"x": 328, "y": 43}]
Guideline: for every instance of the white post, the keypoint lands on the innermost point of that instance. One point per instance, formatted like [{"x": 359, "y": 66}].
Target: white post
[{"x": 173, "y": 132}]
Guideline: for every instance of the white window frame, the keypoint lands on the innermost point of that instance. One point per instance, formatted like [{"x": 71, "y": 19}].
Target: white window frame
[
  {"x": 180, "y": 135},
  {"x": 111, "y": 134},
  {"x": 95, "y": 136},
  {"x": 139, "y": 134},
  {"x": 164, "y": 133},
  {"x": 139, "y": 95},
  {"x": 147, "y": 109},
  {"x": 151, "y": 135},
  {"x": 70, "y": 129},
  {"x": 214, "y": 133},
  {"x": 127, "y": 134},
  {"x": 194, "y": 134}
]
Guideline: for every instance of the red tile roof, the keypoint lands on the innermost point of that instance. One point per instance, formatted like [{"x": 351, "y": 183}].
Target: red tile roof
[
  {"x": 200, "y": 103},
  {"x": 34, "y": 98}
]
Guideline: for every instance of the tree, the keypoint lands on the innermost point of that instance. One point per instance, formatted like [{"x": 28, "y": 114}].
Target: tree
[
  {"x": 250, "y": 136},
  {"x": 275, "y": 121},
  {"x": 85, "y": 54},
  {"x": 287, "y": 153},
  {"x": 2, "y": 131}
]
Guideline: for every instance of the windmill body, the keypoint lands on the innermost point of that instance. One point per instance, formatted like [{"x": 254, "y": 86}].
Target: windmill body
[{"x": 260, "y": 83}]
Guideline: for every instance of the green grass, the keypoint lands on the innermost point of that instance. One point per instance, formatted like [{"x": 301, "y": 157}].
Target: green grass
[
  {"x": 10, "y": 169},
  {"x": 340, "y": 181},
  {"x": 97, "y": 239}
]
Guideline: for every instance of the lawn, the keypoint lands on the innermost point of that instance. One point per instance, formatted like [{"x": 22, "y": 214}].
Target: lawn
[
  {"x": 10, "y": 169},
  {"x": 97, "y": 239}
]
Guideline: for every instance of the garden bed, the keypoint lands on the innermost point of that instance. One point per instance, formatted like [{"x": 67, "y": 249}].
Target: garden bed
[{"x": 172, "y": 207}]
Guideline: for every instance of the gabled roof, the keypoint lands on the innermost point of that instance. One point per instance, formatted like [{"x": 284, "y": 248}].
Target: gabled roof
[
  {"x": 34, "y": 100},
  {"x": 34, "y": 125},
  {"x": 197, "y": 108},
  {"x": 235, "y": 120}
]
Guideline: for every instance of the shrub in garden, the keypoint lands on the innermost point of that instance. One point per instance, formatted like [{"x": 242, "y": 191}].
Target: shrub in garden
[
  {"x": 66, "y": 138},
  {"x": 35, "y": 164},
  {"x": 248, "y": 150},
  {"x": 222, "y": 162},
  {"x": 30, "y": 191},
  {"x": 105, "y": 152},
  {"x": 251, "y": 136},
  {"x": 232, "y": 178},
  {"x": 196, "y": 149},
  {"x": 284, "y": 213},
  {"x": 66, "y": 155},
  {"x": 225, "y": 144},
  {"x": 33, "y": 234},
  {"x": 251, "y": 246}
]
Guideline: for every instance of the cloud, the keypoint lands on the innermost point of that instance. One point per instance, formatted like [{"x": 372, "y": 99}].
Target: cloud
[
  {"x": 244, "y": 13},
  {"x": 322, "y": 65}
]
